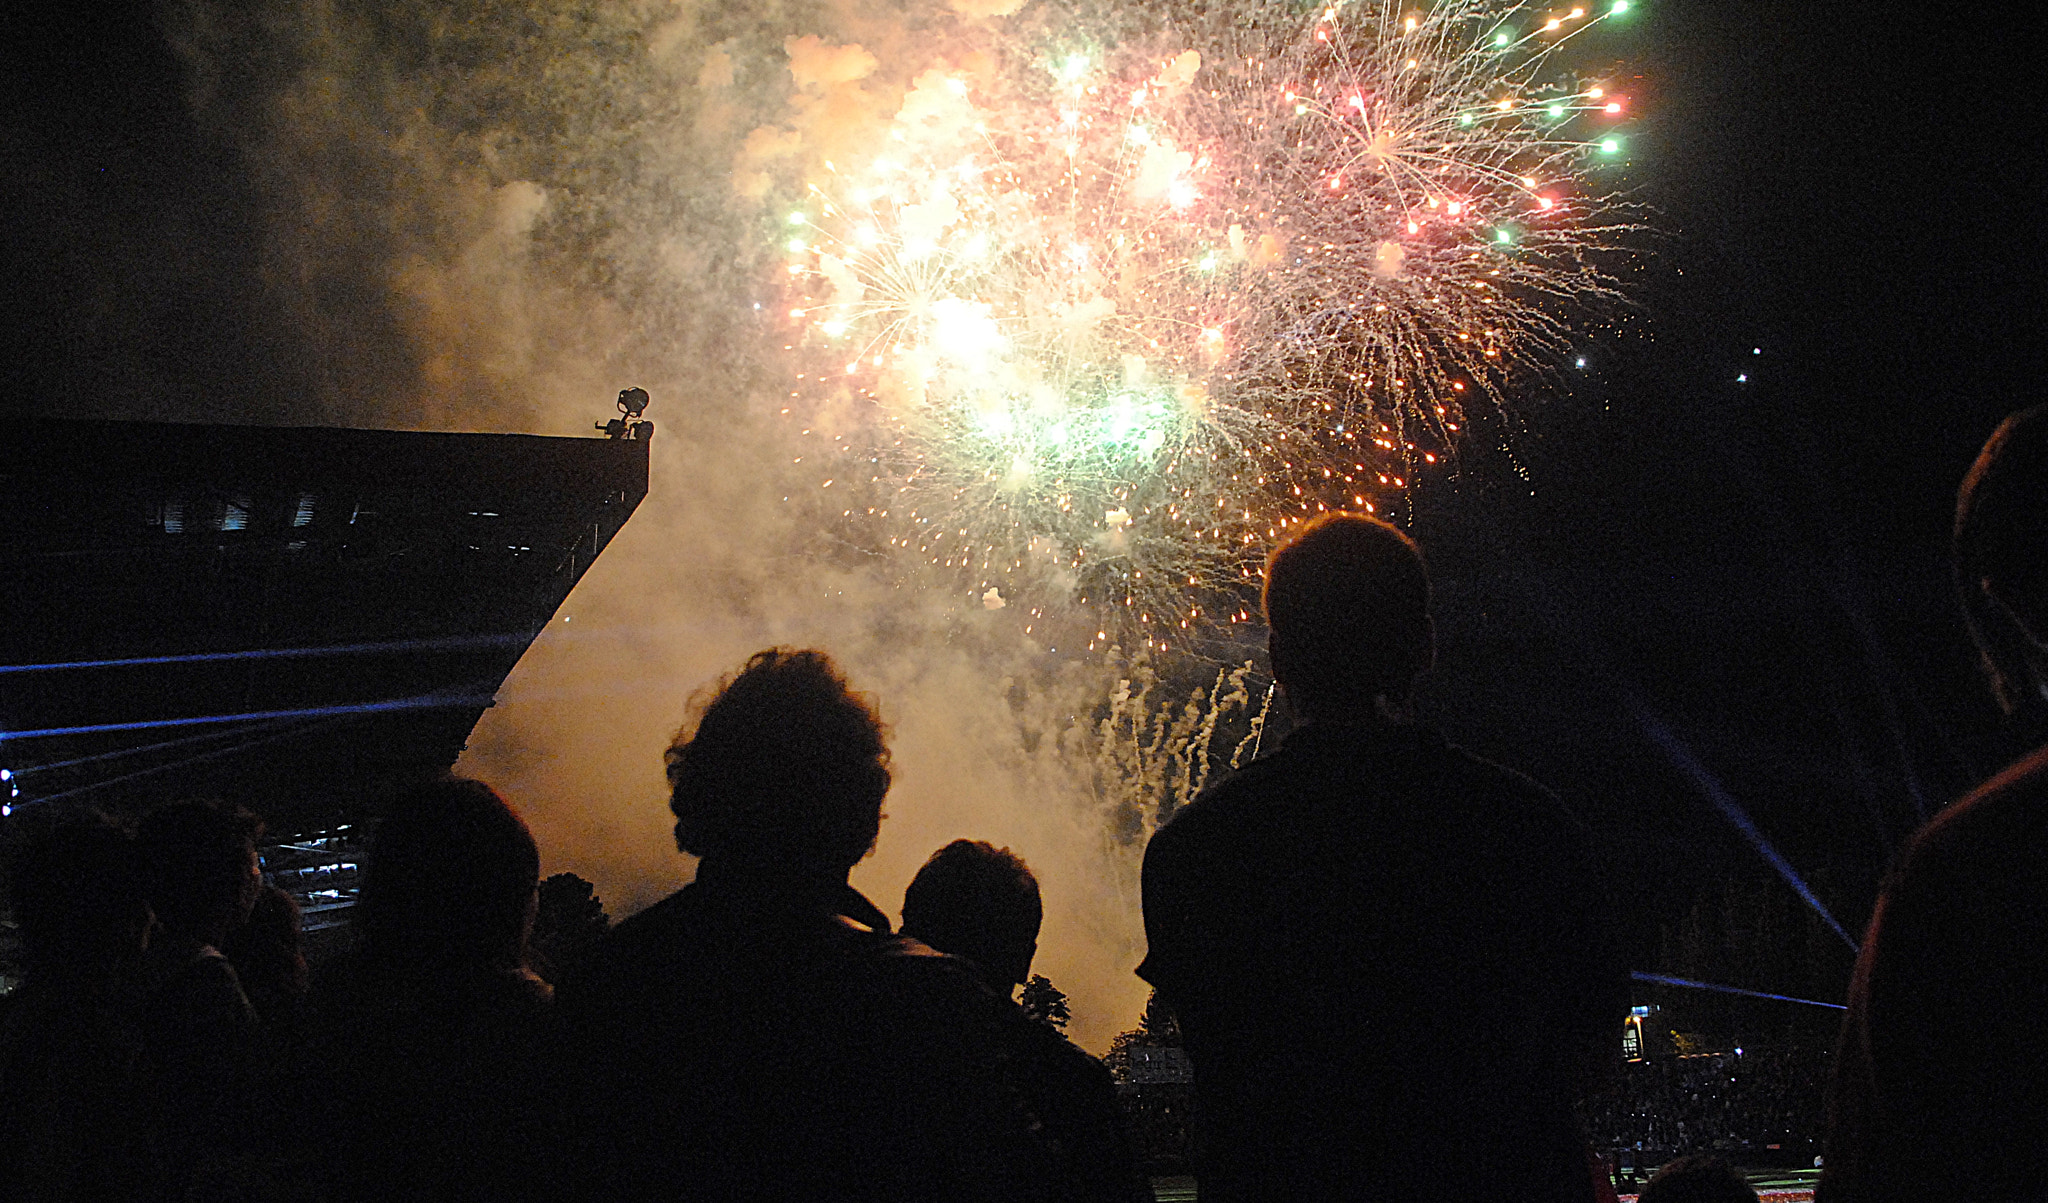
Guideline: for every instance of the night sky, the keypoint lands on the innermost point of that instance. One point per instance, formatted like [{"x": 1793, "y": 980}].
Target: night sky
[{"x": 1758, "y": 566}]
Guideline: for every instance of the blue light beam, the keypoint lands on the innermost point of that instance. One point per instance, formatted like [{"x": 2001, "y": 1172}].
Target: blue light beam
[
  {"x": 28, "y": 770},
  {"x": 446, "y": 643},
  {"x": 303, "y": 728},
  {"x": 427, "y": 702},
  {"x": 1689, "y": 984},
  {"x": 1681, "y": 756}
]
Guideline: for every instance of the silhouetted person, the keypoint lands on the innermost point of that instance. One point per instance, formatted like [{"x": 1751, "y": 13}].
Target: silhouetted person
[
  {"x": 1700, "y": 1178},
  {"x": 270, "y": 962},
  {"x": 198, "y": 1027},
  {"x": 981, "y": 903},
  {"x": 1384, "y": 953},
  {"x": 70, "y": 1045},
  {"x": 422, "y": 1039},
  {"x": 1939, "y": 1090},
  {"x": 760, "y": 1033}
]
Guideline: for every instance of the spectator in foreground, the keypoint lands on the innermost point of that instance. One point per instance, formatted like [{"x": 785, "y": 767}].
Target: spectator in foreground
[
  {"x": 197, "y": 1024},
  {"x": 981, "y": 903},
  {"x": 760, "y": 1033},
  {"x": 69, "y": 1046},
  {"x": 1939, "y": 1091},
  {"x": 421, "y": 1040},
  {"x": 1700, "y": 1178},
  {"x": 270, "y": 962},
  {"x": 1384, "y": 953}
]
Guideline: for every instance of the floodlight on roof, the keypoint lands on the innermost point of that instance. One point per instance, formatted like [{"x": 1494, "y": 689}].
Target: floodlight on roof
[{"x": 632, "y": 403}]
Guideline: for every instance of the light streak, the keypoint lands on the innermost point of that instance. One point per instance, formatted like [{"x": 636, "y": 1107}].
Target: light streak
[
  {"x": 290, "y": 730},
  {"x": 1688, "y": 983},
  {"x": 122, "y": 753},
  {"x": 444, "y": 643},
  {"x": 1682, "y": 757},
  {"x": 423, "y": 702}
]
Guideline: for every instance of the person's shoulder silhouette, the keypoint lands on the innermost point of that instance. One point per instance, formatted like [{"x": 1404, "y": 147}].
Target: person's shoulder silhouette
[
  {"x": 421, "y": 1041},
  {"x": 203, "y": 878},
  {"x": 1699, "y": 1178},
  {"x": 199, "y": 1030},
  {"x": 270, "y": 962},
  {"x": 762, "y": 1032},
  {"x": 1335, "y": 924},
  {"x": 981, "y": 903},
  {"x": 1937, "y": 1090},
  {"x": 70, "y": 1045}
]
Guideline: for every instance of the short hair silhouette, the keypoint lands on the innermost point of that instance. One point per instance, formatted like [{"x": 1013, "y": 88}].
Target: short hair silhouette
[
  {"x": 1347, "y": 604},
  {"x": 782, "y": 764},
  {"x": 198, "y": 856},
  {"x": 1700, "y": 1178},
  {"x": 2001, "y": 553},
  {"x": 78, "y": 893},
  {"x": 448, "y": 882},
  {"x": 978, "y": 901}
]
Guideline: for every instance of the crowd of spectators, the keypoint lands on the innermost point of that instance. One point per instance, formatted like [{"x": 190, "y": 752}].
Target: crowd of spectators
[
  {"x": 1763, "y": 1105},
  {"x": 1381, "y": 956},
  {"x": 1758, "y": 1107},
  {"x": 763, "y": 1033}
]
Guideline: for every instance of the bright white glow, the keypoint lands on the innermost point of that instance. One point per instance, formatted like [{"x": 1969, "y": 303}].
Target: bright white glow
[{"x": 965, "y": 332}]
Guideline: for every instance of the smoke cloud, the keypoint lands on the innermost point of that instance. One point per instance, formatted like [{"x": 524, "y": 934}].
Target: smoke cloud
[{"x": 492, "y": 216}]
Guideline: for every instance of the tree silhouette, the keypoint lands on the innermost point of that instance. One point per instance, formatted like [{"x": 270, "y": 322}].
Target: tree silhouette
[
  {"x": 1158, "y": 1022},
  {"x": 1157, "y": 1113},
  {"x": 1045, "y": 1002},
  {"x": 1157, "y": 1028},
  {"x": 567, "y": 924}
]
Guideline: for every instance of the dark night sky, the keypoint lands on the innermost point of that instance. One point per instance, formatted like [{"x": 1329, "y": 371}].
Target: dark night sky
[{"x": 1760, "y": 565}]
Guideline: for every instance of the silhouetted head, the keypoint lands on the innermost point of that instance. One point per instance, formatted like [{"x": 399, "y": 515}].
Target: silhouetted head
[
  {"x": 2001, "y": 557},
  {"x": 449, "y": 882},
  {"x": 978, "y": 901},
  {"x": 1347, "y": 605},
  {"x": 80, "y": 897},
  {"x": 203, "y": 873},
  {"x": 1700, "y": 1178},
  {"x": 781, "y": 772}
]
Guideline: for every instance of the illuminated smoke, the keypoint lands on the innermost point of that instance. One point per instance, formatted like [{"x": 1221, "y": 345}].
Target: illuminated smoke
[{"x": 494, "y": 215}]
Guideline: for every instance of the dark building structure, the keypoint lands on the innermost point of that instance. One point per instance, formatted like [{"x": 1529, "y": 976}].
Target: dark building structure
[{"x": 299, "y": 620}]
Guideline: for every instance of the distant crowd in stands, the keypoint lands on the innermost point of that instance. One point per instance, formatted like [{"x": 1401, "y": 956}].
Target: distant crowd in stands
[
  {"x": 1761, "y": 1107},
  {"x": 1386, "y": 959},
  {"x": 1752, "y": 1104}
]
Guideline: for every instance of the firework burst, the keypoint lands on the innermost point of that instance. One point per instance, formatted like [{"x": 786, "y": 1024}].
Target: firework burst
[{"x": 1108, "y": 320}]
